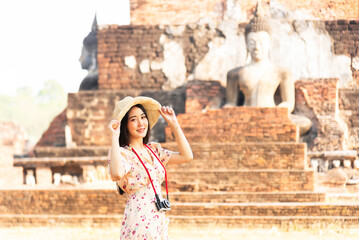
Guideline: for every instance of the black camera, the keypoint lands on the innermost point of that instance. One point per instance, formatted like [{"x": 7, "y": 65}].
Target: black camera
[{"x": 162, "y": 205}]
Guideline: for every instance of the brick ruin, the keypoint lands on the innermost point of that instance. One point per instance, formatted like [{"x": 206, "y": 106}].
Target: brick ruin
[
  {"x": 154, "y": 12},
  {"x": 251, "y": 168},
  {"x": 13, "y": 141}
]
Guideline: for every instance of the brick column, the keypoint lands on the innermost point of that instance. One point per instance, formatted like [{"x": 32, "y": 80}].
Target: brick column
[{"x": 43, "y": 176}]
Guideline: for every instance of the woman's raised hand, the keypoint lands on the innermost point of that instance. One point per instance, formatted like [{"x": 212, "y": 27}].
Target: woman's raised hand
[
  {"x": 114, "y": 127},
  {"x": 169, "y": 115}
]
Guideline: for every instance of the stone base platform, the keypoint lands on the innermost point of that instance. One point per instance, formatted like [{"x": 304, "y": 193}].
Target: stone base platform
[
  {"x": 266, "y": 209},
  {"x": 246, "y": 197},
  {"x": 12, "y": 220},
  {"x": 248, "y": 155},
  {"x": 207, "y": 156},
  {"x": 242, "y": 180},
  {"x": 79, "y": 151},
  {"x": 101, "y": 201},
  {"x": 104, "y": 207}
]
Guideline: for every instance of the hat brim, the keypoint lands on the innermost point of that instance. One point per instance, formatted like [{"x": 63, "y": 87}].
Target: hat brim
[{"x": 150, "y": 105}]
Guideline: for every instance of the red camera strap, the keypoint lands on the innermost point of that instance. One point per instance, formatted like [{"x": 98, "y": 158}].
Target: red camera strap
[{"x": 147, "y": 170}]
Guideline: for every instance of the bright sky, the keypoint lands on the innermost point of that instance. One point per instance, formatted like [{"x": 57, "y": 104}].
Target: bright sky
[{"x": 42, "y": 39}]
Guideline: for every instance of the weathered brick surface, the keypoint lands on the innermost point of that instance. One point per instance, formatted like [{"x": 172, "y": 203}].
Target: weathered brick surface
[
  {"x": 241, "y": 180},
  {"x": 89, "y": 112},
  {"x": 349, "y": 106},
  {"x": 290, "y": 209},
  {"x": 52, "y": 201},
  {"x": 142, "y": 42},
  {"x": 210, "y": 155},
  {"x": 55, "y": 134},
  {"x": 175, "y": 12},
  {"x": 356, "y": 73},
  {"x": 349, "y": 100},
  {"x": 285, "y": 222},
  {"x": 108, "y": 202},
  {"x": 246, "y": 197},
  {"x": 80, "y": 151},
  {"x": 254, "y": 155},
  {"x": 13, "y": 140},
  {"x": 238, "y": 124},
  {"x": 68, "y": 162},
  {"x": 316, "y": 99},
  {"x": 345, "y": 35},
  {"x": 102, "y": 201},
  {"x": 204, "y": 95},
  {"x": 14, "y": 137},
  {"x": 10, "y": 176},
  {"x": 106, "y": 221},
  {"x": 117, "y": 42}
]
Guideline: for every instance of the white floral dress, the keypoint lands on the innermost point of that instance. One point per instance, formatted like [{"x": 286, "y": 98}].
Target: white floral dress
[{"x": 141, "y": 219}]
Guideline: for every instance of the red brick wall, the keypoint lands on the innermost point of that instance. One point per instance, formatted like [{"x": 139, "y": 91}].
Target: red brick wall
[
  {"x": 242, "y": 180},
  {"x": 356, "y": 74},
  {"x": 80, "y": 151},
  {"x": 316, "y": 99},
  {"x": 143, "y": 43},
  {"x": 13, "y": 136},
  {"x": 76, "y": 202},
  {"x": 10, "y": 176},
  {"x": 55, "y": 134},
  {"x": 204, "y": 95},
  {"x": 326, "y": 9},
  {"x": 13, "y": 140},
  {"x": 61, "y": 202},
  {"x": 89, "y": 112},
  {"x": 186, "y": 11},
  {"x": 345, "y": 35},
  {"x": 174, "y": 11},
  {"x": 252, "y": 155},
  {"x": 349, "y": 105},
  {"x": 117, "y": 42},
  {"x": 238, "y": 124}
]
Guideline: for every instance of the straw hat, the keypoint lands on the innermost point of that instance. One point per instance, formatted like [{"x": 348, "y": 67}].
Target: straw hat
[{"x": 151, "y": 106}]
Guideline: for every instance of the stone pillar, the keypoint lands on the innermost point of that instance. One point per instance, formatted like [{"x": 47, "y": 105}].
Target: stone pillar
[
  {"x": 43, "y": 176},
  {"x": 89, "y": 174}
]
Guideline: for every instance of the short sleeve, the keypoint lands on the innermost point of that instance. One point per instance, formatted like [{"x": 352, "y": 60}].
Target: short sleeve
[
  {"x": 163, "y": 154},
  {"x": 125, "y": 163}
]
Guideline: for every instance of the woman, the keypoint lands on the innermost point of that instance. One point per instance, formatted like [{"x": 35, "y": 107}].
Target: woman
[{"x": 138, "y": 167}]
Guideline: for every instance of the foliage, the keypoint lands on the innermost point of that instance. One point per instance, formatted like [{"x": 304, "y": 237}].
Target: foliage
[{"x": 34, "y": 112}]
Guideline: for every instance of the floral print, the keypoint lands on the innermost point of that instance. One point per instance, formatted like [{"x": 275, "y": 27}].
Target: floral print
[{"x": 141, "y": 219}]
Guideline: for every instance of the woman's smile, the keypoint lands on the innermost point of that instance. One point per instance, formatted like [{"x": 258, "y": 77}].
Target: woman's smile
[{"x": 141, "y": 130}]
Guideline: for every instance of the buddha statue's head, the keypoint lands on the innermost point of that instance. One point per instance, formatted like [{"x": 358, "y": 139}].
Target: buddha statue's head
[
  {"x": 257, "y": 35},
  {"x": 88, "y": 59},
  {"x": 89, "y": 49}
]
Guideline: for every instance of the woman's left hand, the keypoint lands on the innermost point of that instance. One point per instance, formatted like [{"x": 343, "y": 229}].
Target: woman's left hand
[{"x": 169, "y": 115}]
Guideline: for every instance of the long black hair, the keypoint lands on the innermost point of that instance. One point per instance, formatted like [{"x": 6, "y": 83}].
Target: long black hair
[{"x": 124, "y": 139}]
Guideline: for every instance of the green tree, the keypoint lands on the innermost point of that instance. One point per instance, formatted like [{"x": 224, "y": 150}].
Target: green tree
[
  {"x": 34, "y": 112},
  {"x": 6, "y": 106}
]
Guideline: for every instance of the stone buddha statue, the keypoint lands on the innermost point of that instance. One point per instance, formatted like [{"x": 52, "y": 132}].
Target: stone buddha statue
[
  {"x": 88, "y": 59},
  {"x": 260, "y": 79}
]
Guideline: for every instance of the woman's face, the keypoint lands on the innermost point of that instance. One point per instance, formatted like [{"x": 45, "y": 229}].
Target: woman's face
[{"x": 137, "y": 126}]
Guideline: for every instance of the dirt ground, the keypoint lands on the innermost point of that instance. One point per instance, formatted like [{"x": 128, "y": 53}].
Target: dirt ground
[{"x": 210, "y": 233}]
